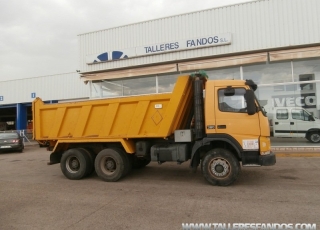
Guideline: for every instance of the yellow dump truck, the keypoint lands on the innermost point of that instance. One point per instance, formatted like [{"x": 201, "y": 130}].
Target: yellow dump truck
[{"x": 216, "y": 124}]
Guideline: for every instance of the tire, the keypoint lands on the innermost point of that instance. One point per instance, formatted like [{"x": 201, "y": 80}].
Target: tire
[
  {"x": 314, "y": 137},
  {"x": 220, "y": 167},
  {"x": 91, "y": 158},
  {"x": 21, "y": 150},
  {"x": 75, "y": 164},
  {"x": 128, "y": 160},
  {"x": 140, "y": 162},
  {"x": 111, "y": 164}
]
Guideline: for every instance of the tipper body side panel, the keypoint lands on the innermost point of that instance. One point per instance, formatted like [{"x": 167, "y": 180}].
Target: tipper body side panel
[{"x": 148, "y": 116}]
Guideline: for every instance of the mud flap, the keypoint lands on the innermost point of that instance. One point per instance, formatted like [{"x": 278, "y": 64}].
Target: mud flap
[{"x": 55, "y": 158}]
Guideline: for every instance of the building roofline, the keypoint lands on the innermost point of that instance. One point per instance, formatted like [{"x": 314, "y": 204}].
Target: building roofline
[
  {"x": 175, "y": 15},
  {"x": 18, "y": 79}
]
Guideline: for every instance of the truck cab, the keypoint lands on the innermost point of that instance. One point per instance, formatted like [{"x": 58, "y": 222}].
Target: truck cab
[{"x": 231, "y": 116}]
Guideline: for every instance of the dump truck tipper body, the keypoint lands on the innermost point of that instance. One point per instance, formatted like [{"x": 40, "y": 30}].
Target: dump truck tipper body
[{"x": 217, "y": 130}]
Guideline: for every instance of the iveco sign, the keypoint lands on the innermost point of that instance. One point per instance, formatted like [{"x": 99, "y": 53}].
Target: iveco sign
[
  {"x": 304, "y": 100},
  {"x": 178, "y": 45}
]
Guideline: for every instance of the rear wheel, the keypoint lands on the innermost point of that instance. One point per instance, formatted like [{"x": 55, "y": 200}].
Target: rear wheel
[
  {"x": 220, "y": 167},
  {"x": 75, "y": 164},
  {"x": 111, "y": 164},
  {"x": 314, "y": 137},
  {"x": 90, "y": 158},
  {"x": 127, "y": 160}
]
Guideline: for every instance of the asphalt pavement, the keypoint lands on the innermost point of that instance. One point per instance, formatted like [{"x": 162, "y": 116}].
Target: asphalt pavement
[{"x": 34, "y": 195}]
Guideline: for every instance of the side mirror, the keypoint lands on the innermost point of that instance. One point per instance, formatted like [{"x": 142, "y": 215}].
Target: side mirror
[
  {"x": 311, "y": 118},
  {"x": 251, "y": 105}
]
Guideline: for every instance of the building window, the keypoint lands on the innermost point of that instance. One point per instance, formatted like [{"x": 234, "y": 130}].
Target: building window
[
  {"x": 95, "y": 89},
  {"x": 166, "y": 83},
  {"x": 268, "y": 73},
  {"x": 307, "y": 70},
  {"x": 139, "y": 86},
  {"x": 232, "y": 73}
]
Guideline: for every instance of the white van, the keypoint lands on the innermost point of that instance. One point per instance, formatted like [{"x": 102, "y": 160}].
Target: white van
[{"x": 294, "y": 122}]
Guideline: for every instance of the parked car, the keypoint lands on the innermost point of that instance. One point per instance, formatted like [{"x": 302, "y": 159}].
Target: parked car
[{"x": 11, "y": 141}]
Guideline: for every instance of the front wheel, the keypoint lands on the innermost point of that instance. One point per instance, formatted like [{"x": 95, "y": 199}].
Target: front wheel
[
  {"x": 220, "y": 167},
  {"x": 314, "y": 137}
]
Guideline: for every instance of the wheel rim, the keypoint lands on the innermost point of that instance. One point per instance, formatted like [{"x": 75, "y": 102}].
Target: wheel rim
[
  {"x": 108, "y": 165},
  {"x": 219, "y": 167},
  {"x": 315, "y": 137},
  {"x": 73, "y": 164}
]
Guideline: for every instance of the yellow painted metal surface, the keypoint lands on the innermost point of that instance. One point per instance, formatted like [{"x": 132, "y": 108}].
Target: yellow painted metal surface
[
  {"x": 241, "y": 126},
  {"x": 148, "y": 116}
]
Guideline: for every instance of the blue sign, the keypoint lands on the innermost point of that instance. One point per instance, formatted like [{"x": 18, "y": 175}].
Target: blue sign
[
  {"x": 33, "y": 95},
  {"x": 1, "y": 98},
  {"x": 115, "y": 55}
]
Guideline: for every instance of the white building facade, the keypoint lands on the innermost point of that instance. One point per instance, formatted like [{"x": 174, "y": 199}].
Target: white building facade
[{"x": 16, "y": 96}]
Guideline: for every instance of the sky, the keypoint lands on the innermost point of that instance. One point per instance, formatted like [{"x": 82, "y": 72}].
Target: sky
[{"x": 39, "y": 37}]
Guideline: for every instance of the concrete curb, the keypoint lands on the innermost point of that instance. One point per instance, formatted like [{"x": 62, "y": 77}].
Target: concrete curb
[
  {"x": 296, "y": 151},
  {"x": 297, "y": 154}
]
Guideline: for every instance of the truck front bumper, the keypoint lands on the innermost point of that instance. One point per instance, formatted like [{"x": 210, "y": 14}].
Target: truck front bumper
[{"x": 267, "y": 160}]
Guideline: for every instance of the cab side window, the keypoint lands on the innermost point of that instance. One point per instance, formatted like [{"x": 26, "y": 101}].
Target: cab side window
[
  {"x": 282, "y": 114},
  {"x": 232, "y": 102},
  {"x": 299, "y": 114}
]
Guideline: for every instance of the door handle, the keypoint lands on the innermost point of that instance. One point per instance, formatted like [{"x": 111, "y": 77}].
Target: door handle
[
  {"x": 221, "y": 126},
  {"x": 291, "y": 123},
  {"x": 276, "y": 123}
]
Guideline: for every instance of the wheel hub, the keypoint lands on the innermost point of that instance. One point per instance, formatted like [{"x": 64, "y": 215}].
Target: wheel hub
[
  {"x": 73, "y": 164},
  {"x": 220, "y": 167},
  {"x": 110, "y": 165},
  {"x": 315, "y": 137}
]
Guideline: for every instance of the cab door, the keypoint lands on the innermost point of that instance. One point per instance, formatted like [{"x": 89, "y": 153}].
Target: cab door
[
  {"x": 282, "y": 123},
  {"x": 232, "y": 117},
  {"x": 301, "y": 122}
]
